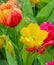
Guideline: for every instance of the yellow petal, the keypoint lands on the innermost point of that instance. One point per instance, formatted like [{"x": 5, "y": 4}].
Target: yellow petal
[
  {"x": 28, "y": 41},
  {"x": 35, "y": 1},
  {"x": 25, "y": 32}
]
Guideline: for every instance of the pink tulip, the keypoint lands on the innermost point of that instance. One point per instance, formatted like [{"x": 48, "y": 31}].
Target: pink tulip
[
  {"x": 50, "y": 63},
  {"x": 50, "y": 28}
]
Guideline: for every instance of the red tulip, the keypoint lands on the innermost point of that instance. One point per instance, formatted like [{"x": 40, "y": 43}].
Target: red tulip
[{"x": 10, "y": 14}]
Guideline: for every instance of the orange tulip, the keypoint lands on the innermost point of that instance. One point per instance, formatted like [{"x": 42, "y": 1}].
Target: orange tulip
[{"x": 10, "y": 14}]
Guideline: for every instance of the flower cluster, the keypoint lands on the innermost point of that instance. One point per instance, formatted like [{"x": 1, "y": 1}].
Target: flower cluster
[
  {"x": 38, "y": 38},
  {"x": 10, "y": 14}
]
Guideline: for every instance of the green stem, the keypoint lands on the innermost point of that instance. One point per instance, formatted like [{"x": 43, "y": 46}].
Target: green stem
[{"x": 31, "y": 58}]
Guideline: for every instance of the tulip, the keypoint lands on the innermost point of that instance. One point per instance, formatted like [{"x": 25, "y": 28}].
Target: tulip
[
  {"x": 49, "y": 27},
  {"x": 32, "y": 38},
  {"x": 10, "y": 14}
]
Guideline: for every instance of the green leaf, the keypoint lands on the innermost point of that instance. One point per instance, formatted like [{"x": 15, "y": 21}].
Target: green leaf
[
  {"x": 2, "y": 1},
  {"x": 36, "y": 62},
  {"x": 31, "y": 58},
  {"x": 5, "y": 0},
  {"x": 45, "y": 1},
  {"x": 52, "y": 53},
  {"x": 13, "y": 35},
  {"x": 46, "y": 57},
  {"x": 3, "y": 62},
  {"x": 18, "y": 56},
  {"x": 10, "y": 59},
  {"x": 28, "y": 57},
  {"x": 51, "y": 18},
  {"x": 45, "y": 12},
  {"x": 24, "y": 55},
  {"x": 27, "y": 8}
]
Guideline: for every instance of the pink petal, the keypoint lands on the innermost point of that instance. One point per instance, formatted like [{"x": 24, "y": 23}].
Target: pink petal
[
  {"x": 41, "y": 51},
  {"x": 50, "y": 63},
  {"x": 50, "y": 43},
  {"x": 47, "y": 26}
]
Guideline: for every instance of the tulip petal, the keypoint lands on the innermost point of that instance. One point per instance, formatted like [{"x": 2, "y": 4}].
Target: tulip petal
[
  {"x": 50, "y": 63},
  {"x": 31, "y": 49}
]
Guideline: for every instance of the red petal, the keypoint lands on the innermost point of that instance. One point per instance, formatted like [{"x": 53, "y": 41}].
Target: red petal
[
  {"x": 41, "y": 51},
  {"x": 31, "y": 49},
  {"x": 50, "y": 43},
  {"x": 15, "y": 18}
]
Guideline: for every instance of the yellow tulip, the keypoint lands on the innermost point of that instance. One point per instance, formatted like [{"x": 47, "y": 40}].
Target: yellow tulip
[{"x": 33, "y": 36}]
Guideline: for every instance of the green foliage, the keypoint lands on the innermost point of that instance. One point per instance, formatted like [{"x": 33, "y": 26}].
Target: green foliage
[
  {"x": 18, "y": 56},
  {"x": 45, "y": 12},
  {"x": 51, "y": 18},
  {"x": 1, "y": 1},
  {"x": 45, "y": 1},
  {"x": 3, "y": 62},
  {"x": 44, "y": 58},
  {"x": 10, "y": 59}
]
